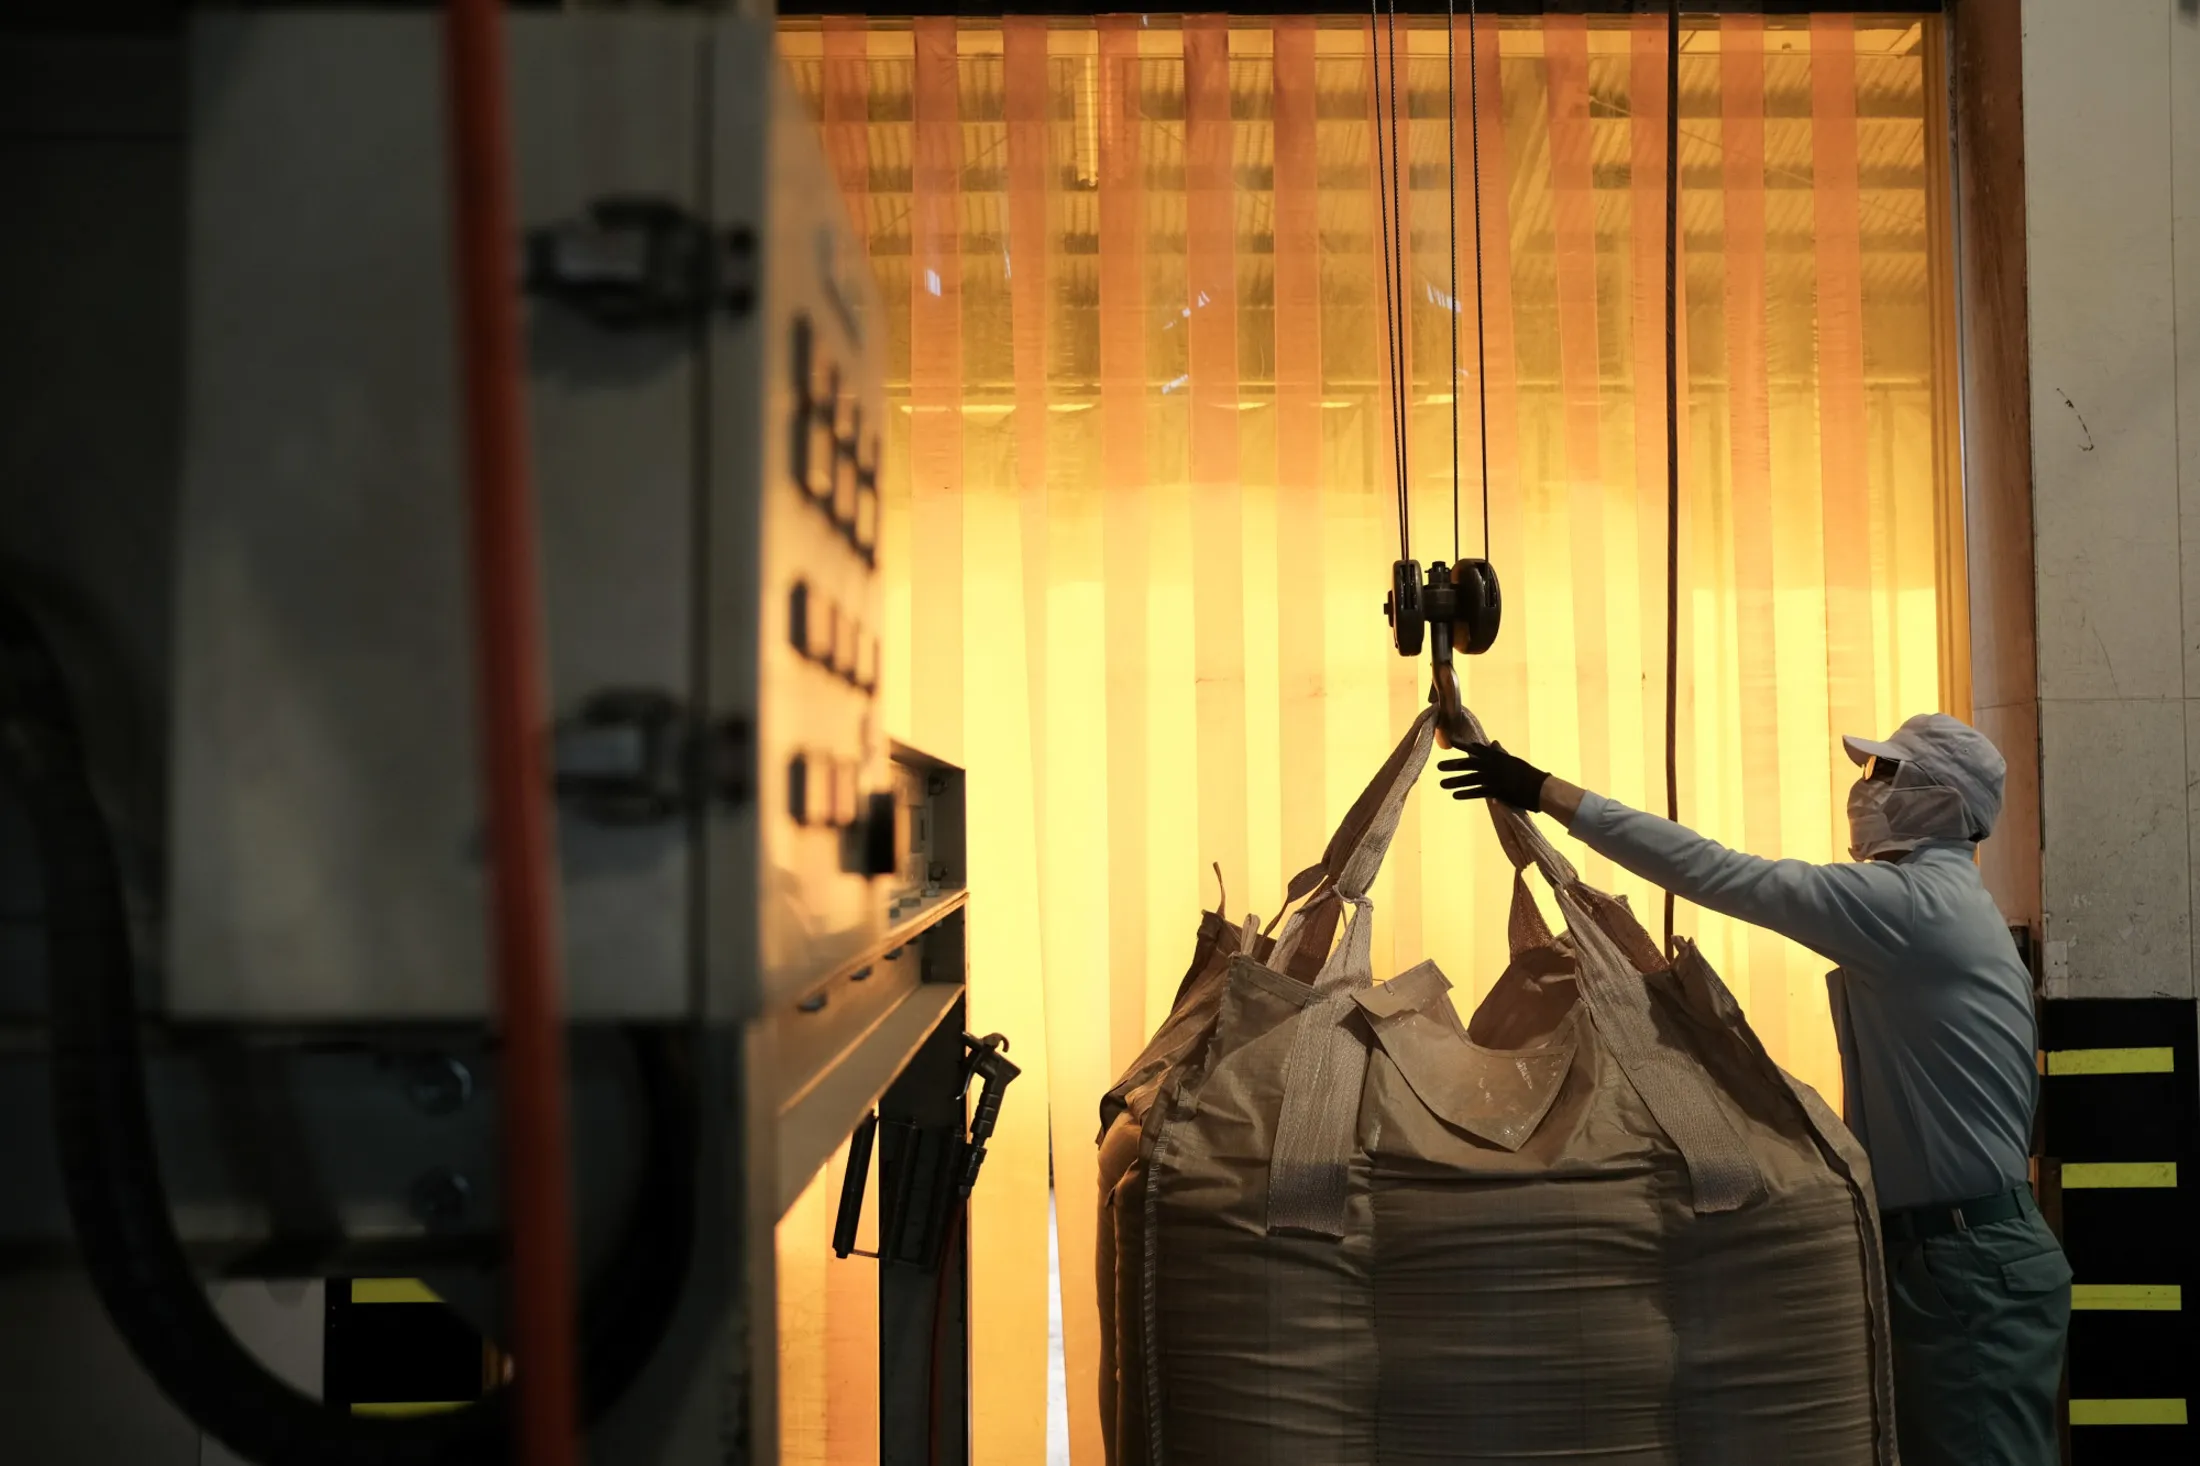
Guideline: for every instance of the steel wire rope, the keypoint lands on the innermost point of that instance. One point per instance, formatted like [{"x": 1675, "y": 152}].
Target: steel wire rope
[
  {"x": 1392, "y": 224},
  {"x": 1481, "y": 355},
  {"x": 1451, "y": 163},
  {"x": 1672, "y": 429}
]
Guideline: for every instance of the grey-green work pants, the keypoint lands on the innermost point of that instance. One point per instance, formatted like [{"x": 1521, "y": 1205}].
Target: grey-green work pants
[{"x": 1980, "y": 1318}]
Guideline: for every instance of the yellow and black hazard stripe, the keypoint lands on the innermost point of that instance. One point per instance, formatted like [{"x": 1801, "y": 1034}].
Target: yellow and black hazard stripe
[
  {"x": 392, "y": 1347},
  {"x": 2120, "y": 1143}
]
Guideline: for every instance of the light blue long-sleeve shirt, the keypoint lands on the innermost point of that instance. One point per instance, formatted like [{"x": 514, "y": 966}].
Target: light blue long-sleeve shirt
[{"x": 1932, "y": 1007}]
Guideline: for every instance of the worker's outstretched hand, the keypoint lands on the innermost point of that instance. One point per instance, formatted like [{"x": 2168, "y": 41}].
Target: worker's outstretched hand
[{"x": 1488, "y": 772}]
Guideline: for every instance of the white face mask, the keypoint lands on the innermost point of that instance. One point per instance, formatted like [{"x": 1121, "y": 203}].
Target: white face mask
[{"x": 1893, "y": 818}]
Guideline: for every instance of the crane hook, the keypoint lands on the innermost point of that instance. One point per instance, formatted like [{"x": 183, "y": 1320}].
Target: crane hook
[{"x": 1455, "y": 608}]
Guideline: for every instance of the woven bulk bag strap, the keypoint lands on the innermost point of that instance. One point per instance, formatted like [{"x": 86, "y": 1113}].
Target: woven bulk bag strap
[
  {"x": 1310, "y": 1162},
  {"x": 1722, "y": 1174},
  {"x": 1309, "y": 1167},
  {"x": 1613, "y": 954}
]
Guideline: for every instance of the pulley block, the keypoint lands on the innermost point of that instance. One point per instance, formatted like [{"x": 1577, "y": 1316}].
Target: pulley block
[
  {"x": 1402, "y": 607},
  {"x": 1461, "y": 599},
  {"x": 1477, "y": 607}
]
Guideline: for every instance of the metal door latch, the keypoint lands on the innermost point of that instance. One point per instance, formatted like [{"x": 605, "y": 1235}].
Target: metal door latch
[
  {"x": 631, "y": 757},
  {"x": 642, "y": 264}
]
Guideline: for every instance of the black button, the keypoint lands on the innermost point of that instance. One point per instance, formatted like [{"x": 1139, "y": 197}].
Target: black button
[
  {"x": 820, "y": 460},
  {"x": 798, "y": 617},
  {"x": 881, "y": 835},
  {"x": 864, "y": 531},
  {"x": 814, "y": 382},
  {"x": 798, "y": 450},
  {"x": 800, "y": 807},
  {"x": 804, "y": 344},
  {"x": 847, "y": 492},
  {"x": 811, "y": 455}
]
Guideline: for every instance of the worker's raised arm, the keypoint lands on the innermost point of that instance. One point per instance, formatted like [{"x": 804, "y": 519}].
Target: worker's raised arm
[{"x": 1844, "y": 912}]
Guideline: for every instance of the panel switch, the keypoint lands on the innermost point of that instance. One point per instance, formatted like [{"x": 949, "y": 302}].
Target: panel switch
[
  {"x": 864, "y": 531},
  {"x": 882, "y": 836},
  {"x": 818, "y": 462},
  {"x": 798, "y": 617},
  {"x": 802, "y": 803}
]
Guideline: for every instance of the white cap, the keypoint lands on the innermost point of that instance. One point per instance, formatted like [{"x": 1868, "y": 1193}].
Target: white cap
[{"x": 1950, "y": 754}]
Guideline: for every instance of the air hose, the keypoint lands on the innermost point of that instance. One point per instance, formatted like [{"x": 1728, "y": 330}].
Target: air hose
[{"x": 110, "y": 1170}]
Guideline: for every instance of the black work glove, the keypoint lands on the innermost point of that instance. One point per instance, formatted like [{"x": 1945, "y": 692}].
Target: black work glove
[{"x": 1488, "y": 772}]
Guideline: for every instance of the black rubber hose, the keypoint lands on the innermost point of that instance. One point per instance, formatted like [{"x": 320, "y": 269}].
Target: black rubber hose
[{"x": 110, "y": 1169}]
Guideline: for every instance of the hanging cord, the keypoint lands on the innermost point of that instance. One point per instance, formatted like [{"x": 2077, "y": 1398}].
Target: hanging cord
[
  {"x": 1481, "y": 361},
  {"x": 1401, "y": 372},
  {"x": 522, "y": 914},
  {"x": 1401, "y": 379},
  {"x": 1451, "y": 160},
  {"x": 1392, "y": 292},
  {"x": 1672, "y": 429}
]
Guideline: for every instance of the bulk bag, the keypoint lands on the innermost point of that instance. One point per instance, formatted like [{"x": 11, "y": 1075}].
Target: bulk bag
[{"x": 1340, "y": 1228}]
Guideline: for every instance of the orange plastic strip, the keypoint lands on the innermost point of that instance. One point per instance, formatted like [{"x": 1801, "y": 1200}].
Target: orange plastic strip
[
  {"x": 1381, "y": 168},
  {"x": 1124, "y": 521},
  {"x": 1742, "y": 86},
  {"x": 1685, "y": 720},
  {"x": 1646, "y": 328},
  {"x": 935, "y": 393},
  {"x": 1069, "y": 860},
  {"x": 1843, "y": 429},
  {"x": 1218, "y": 534},
  {"x": 1024, "y": 44},
  {"x": 1574, "y": 225},
  {"x": 1406, "y": 680},
  {"x": 1496, "y": 683},
  {"x": 847, "y": 110},
  {"x": 1301, "y": 607}
]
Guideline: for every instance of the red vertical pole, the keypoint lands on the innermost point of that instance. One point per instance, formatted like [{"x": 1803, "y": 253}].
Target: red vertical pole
[{"x": 515, "y": 776}]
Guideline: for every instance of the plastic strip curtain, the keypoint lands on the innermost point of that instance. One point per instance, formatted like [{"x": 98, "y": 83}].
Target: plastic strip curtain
[{"x": 1139, "y": 514}]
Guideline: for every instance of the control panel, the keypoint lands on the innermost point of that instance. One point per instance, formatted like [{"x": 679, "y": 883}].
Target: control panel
[
  {"x": 831, "y": 611},
  {"x": 706, "y": 404},
  {"x": 828, "y": 828},
  {"x": 761, "y": 897}
]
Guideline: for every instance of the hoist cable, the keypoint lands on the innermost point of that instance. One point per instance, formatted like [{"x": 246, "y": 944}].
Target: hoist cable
[
  {"x": 1400, "y": 380},
  {"x": 1390, "y": 315},
  {"x": 1672, "y": 428},
  {"x": 1451, "y": 160},
  {"x": 1481, "y": 357}
]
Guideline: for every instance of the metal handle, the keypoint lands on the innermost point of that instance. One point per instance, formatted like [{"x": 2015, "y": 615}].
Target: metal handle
[{"x": 641, "y": 264}]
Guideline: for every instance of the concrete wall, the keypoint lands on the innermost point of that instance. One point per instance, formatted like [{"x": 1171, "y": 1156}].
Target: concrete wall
[{"x": 2111, "y": 106}]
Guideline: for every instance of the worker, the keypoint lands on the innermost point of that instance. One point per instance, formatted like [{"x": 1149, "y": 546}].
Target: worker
[{"x": 1933, "y": 1012}]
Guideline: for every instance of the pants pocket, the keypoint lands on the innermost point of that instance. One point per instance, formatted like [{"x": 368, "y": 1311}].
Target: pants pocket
[
  {"x": 1919, "y": 1292},
  {"x": 1978, "y": 1352},
  {"x": 2028, "y": 1277},
  {"x": 1936, "y": 1368}
]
